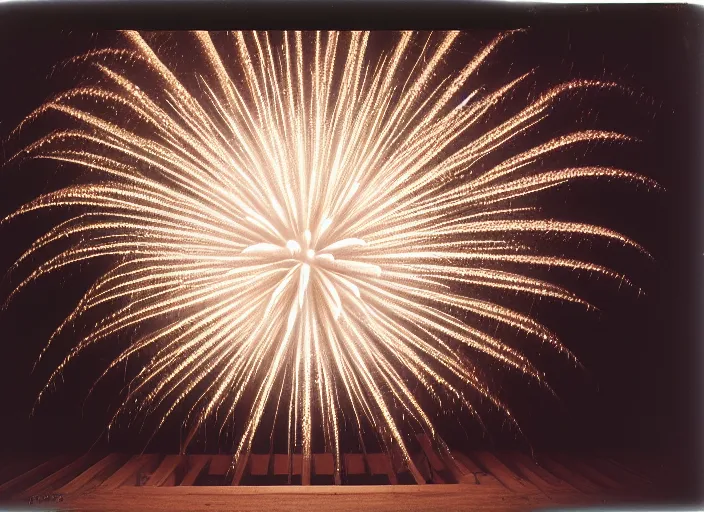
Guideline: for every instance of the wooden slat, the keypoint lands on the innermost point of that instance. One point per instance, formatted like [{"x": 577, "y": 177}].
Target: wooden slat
[
  {"x": 629, "y": 480},
  {"x": 129, "y": 470},
  {"x": 321, "y": 498},
  {"x": 324, "y": 463},
  {"x": 539, "y": 476},
  {"x": 259, "y": 464},
  {"x": 380, "y": 464},
  {"x": 571, "y": 477},
  {"x": 219, "y": 464},
  {"x": 422, "y": 468},
  {"x": 165, "y": 474},
  {"x": 240, "y": 468},
  {"x": 280, "y": 464},
  {"x": 297, "y": 464},
  {"x": 306, "y": 467},
  {"x": 587, "y": 471},
  {"x": 31, "y": 475},
  {"x": 466, "y": 462},
  {"x": 481, "y": 477},
  {"x": 12, "y": 466},
  {"x": 503, "y": 473},
  {"x": 626, "y": 466},
  {"x": 354, "y": 464},
  {"x": 434, "y": 461},
  {"x": 433, "y": 458},
  {"x": 91, "y": 473},
  {"x": 195, "y": 466},
  {"x": 75, "y": 467},
  {"x": 399, "y": 463},
  {"x": 466, "y": 476}
]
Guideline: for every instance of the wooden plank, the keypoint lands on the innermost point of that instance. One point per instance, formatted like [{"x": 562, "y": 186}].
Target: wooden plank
[
  {"x": 127, "y": 470},
  {"x": 306, "y": 467},
  {"x": 433, "y": 458},
  {"x": 461, "y": 468},
  {"x": 503, "y": 473},
  {"x": 422, "y": 467},
  {"x": 91, "y": 473},
  {"x": 296, "y": 464},
  {"x": 259, "y": 464},
  {"x": 467, "y": 463},
  {"x": 571, "y": 477},
  {"x": 381, "y": 464},
  {"x": 354, "y": 464},
  {"x": 165, "y": 474},
  {"x": 240, "y": 468},
  {"x": 539, "y": 476},
  {"x": 280, "y": 464},
  {"x": 479, "y": 475},
  {"x": 69, "y": 470},
  {"x": 431, "y": 498},
  {"x": 33, "y": 474},
  {"x": 434, "y": 461},
  {"x": 195, "y": 466},
  {"x": 12, "y": 466},
  {"x": 587, "y": 471},
  {"x": 457, "y": 473},
  {"x": 399, "y": 463},
  {"x": 626, "y": 466},
  {"x": 219, "y": 464},
  {"x": 467, "y": 475},
  {"x": 324, "y": 463},
  {"x": 628, "y": 479}
]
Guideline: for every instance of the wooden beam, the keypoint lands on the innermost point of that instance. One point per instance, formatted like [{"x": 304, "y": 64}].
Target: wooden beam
[
  {"x": 165, "y": 474},
  {"x": 75, "y": 467},
  {"x": 91, "y": 473},
  {"x": 195, "y": 466},
  {"x": 129, "y": 470},
  {"x": 32, "y": 474}
]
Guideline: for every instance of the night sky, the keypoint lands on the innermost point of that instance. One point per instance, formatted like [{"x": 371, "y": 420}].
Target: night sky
[{"x": 639, "y": 389}]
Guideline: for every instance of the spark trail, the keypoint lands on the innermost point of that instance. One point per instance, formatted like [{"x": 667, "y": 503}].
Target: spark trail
[{"x": 305, "y": 225}]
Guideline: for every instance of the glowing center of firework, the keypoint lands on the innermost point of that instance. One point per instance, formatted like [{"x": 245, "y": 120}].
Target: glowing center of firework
[{"x": 333, "y": 278}]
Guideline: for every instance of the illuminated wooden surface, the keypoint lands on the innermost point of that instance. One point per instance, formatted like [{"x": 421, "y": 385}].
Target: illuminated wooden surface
[{"x": 483, "y": 481}]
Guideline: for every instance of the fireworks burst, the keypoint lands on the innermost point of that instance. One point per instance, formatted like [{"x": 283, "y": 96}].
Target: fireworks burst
[{"x": 307, "y": 226}]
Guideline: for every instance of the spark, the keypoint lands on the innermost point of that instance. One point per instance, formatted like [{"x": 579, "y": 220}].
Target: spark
[{"x": 307, "y": 219}]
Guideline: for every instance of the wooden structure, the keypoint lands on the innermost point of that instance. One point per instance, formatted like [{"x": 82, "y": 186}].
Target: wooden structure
[{"x": 374, "y": 481}]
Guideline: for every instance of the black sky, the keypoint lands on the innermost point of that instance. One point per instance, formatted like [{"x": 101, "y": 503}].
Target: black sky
[{"x": 641, "y": 353}]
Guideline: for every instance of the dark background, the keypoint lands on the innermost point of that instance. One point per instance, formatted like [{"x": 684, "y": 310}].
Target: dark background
[{"x": 640, "y": 391}]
